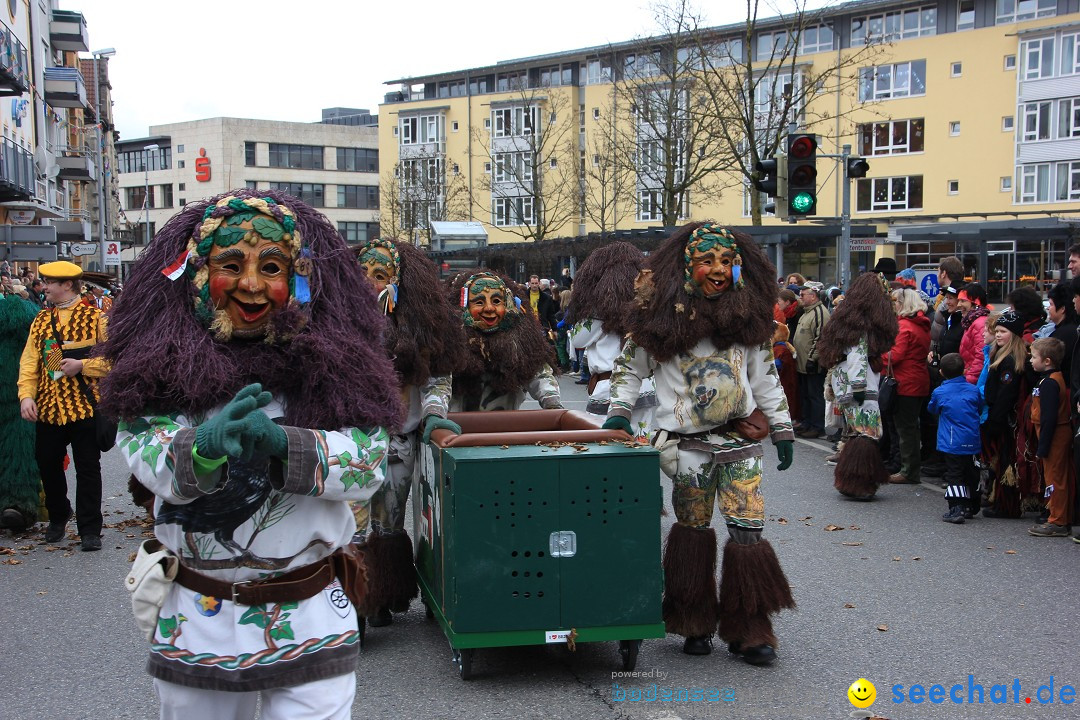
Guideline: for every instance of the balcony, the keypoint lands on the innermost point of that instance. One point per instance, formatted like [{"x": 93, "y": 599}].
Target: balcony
[
  {"x": 67, "y": 31},
  {"x": 64, "y": 87},
  {"x": 76, "y": 163},
  {"x": 74, "y": 226},
  {"x": 14, "y": 66},
  {"x": 17, "y": 179}
]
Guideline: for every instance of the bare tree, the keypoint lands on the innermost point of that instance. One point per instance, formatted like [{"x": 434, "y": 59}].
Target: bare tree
[
  {"x": 754, "y": 86},
  {"x": 607, "y": 178},
  {"x": 530, "y": 186},
  {"x": 421, "y": 188}
]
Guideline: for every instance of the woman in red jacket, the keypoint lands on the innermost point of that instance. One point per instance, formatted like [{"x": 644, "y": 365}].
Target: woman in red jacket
[
  {"x": 975, "y": 307},
  {"x": 908, "y": 362}
]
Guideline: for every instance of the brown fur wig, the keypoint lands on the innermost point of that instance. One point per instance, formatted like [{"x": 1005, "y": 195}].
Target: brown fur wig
[
  {"x": 508, "y": 358},
  {"x": 866, "y": 312},
  {"x": 424, "y": 336},
  {"x": 668, "y": 321},
  {"x": 604, "y": 287}
]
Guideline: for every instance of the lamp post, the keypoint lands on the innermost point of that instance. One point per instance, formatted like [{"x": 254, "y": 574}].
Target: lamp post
[
  {"x": 102, "y": 234},
  {"x": 146, "y": 191}
]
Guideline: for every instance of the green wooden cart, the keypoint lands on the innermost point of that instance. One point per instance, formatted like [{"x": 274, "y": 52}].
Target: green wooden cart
[{"x": 536, "y": 527}]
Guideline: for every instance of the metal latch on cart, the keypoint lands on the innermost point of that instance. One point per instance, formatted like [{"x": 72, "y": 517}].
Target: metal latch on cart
[{"x": 563, "y": 543}]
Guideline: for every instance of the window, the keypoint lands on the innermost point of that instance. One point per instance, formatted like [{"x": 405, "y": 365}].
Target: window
[
  {"x": 1070, "y": 54},
  {"x": 180, "y": 165},
  {"x": 816, "y": 39},
  {"x": 481, "y": 86},
  {"x": 512, "y": 211},
  {"x": 896, "y": 137},
  {"x": 455, "y": 88},
  {"x": 358, "y": 159},
  {"x": 179, "y": 149},
  {"x": 890, "y": 193},
  {"x": 1068, "y": 181},
  {"x": 956, "y": 69},
  {"x": 1009, "y": 11},
  {"x": 307, "y": 157},
  {"x": 251, "y": 184},
  {"x": 166, "y": 196},
  {"x": 365, "y": 197},
  {"x": 1038, "y": 58},
  {"x": 505, "y": 82},
  {"x": 454, "y": 126},
  {"x": 553, "y": 76},
  {"x": 1007, "y": 123},
  {"x": 1010, "y": 62},
  {"x": 456, "y": 169},
  {"x": 513, "y": 167},
  {"x": 1006, "y": 183},
  {"x": 965, "y": 14},
  {"x": 1033, "y": 183},
  {"x": 954, "y": 187},
  {"x": 249, "y": 154},
  {"x": 183, "y": 202},
  {"x": 420, "y": 129},
  {"x": 954, "y": 128},
  {"x": 181, "y": 187},
  {"x": 772, "y": 45},
  {"x": 553, "y": 164},
  {"x": 515, "y": 121},
  {"x": 650, "y": 206},
  {"x": 892, "y": 81},
  {"x": 356, "y": 233},
  {"x": 1036, "y": 121},
  {"x": 596, "y": 113},
  {"x": 896, "y": 25},
  {"x": 487, "y": 168},
  {"x": 311, "y": 193},
  {"x": 135, "y": 196},
  {"x": 1068, "y": 118},
  {"x": 594, "y": 72}
]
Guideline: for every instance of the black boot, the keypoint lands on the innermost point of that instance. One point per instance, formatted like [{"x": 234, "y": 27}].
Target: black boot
[
  {"x": 699, "y": 645},
  {"x": 955, "y": 515}
]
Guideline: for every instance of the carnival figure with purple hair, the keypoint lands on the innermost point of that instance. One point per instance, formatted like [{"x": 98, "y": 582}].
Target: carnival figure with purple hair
[
  {"x": 255, "y": 401},
  {"x": 702, "y": 330},
  {"x": 599, "y": 313},
  {"x": 427, "y": 345},
  {"x": 507, "y": 352}
]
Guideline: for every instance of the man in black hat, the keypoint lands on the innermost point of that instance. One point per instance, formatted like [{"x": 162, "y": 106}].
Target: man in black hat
[{"x": 887, "y": 267}]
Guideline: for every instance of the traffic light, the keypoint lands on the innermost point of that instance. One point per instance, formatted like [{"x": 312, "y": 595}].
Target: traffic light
[
  {"x": 857, "y": 167},
  {"x": 802, "y": 175},
  {"x": 773, "y": 182}
]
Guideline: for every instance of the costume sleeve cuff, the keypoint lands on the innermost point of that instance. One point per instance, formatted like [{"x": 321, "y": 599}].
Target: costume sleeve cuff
[
  {"x": 618, "y": 411},
  {"x": 779, "y": 435},
  {"x": 437, "y": 409},
  {"x": 195, "y": 475},
  {"x": 297, "y": 472}
]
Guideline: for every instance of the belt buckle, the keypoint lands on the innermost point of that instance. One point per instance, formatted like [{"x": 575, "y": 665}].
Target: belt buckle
[{"x": 234, "y": 589}]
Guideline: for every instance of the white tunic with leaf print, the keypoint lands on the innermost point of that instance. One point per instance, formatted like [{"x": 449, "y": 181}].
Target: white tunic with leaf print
[{"x": 247, "y": 521}]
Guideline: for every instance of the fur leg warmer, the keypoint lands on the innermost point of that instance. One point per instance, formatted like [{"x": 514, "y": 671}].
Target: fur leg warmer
[
  {"x": 689, "y": 581},
  {"x": 860, "y": 470},
  {"x": 388, "y": 559},
  {"x": 752, "y": 587}
]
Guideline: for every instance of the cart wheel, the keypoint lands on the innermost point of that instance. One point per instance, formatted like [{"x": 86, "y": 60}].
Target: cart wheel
[
  {"x": 463, "y": 659},
  {"x": 629, "y": 651}
]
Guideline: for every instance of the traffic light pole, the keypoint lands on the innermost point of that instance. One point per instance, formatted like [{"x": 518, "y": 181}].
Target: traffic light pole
[{"x": 845, "y": 221}]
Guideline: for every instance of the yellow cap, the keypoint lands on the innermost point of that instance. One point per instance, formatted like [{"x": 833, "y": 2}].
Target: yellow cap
[{"x": 60, "y": 270}]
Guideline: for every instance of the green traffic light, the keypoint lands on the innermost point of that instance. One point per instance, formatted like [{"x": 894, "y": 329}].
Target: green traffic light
[{"x": 802, "y": 202}]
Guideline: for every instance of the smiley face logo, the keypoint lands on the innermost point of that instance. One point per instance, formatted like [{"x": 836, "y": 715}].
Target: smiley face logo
[{"x": 862, "y": 693}]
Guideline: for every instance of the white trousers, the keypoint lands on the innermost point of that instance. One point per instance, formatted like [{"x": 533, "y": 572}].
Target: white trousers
[{"x": 329, "y": 699}]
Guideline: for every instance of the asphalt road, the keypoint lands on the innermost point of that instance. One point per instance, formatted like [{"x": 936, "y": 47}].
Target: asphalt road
[{"x": 894, "y": 595}]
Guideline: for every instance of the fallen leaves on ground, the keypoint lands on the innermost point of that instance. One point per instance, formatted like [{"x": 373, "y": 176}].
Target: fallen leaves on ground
[
  {"x": 896, "y": 559},
  {"x": 848, "y": 605},
  {"x": 852, "y": 544},
  {"x": 883, "y": 627},
  {"x": 832, "y": 528},
  {"x": 12, "y": 561},
  {"x": 782, "y": 521},
  {"x": 1010, "y": 552}
]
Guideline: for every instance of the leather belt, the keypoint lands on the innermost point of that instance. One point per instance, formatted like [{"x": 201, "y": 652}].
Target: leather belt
[
  {"x": 293, "y": 586},
  {"x": 595, "y": 379}
]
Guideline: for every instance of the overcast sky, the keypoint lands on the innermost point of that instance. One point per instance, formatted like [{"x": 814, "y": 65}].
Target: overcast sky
[{"x": 276, "y": 60}]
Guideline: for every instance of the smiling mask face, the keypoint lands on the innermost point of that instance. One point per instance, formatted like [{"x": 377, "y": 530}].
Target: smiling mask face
[{"x": 249, "y": 276}]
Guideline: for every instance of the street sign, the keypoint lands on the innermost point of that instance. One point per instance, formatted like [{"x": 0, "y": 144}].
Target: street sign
[
  {"x": 926, "y": 278},
  {"x": 112, "y": 254},
  {"x": 79, "y": 249},
  {"x": 28, "y": 253},
  {"x": 863, "y": 244}
]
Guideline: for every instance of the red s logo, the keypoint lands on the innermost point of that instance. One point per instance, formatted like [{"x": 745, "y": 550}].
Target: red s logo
[{"x": 202, "y": 166}]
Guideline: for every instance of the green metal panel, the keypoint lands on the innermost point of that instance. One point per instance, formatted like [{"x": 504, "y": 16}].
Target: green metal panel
[
  {"x": 499, "y": 573},
  {"x": 613, "y": 505}
]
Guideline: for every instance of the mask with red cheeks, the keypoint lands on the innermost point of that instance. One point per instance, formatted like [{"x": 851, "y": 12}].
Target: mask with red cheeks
[{"x": 249, "y": 280}]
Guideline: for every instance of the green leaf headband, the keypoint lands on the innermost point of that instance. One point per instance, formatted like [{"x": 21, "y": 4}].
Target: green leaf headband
[
  {"x": 705, "y": 238},
  {"x": 369, "y": 255}
]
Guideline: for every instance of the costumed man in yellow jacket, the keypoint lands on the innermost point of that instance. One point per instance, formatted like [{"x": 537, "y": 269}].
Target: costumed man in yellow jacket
[{"x": 58, "y": 391}]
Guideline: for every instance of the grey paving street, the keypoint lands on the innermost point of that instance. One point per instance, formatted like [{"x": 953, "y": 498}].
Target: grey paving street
[{"x": 886, "y": 591}]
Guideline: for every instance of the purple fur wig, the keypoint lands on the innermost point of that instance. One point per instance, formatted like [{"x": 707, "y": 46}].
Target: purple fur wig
[{"x": 333, "y": 373}]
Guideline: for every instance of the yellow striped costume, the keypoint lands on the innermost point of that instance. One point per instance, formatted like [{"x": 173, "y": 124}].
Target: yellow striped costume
[{"x": 61, "y": 401}]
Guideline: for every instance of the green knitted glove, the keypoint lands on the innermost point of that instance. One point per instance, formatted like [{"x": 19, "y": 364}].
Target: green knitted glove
[
  {"x": 618, "y": 422},
  {"x": 262, "y": 437},
  {"x": 434, "y": 422},
  {"x": 785, "y": 453},
  {"x": 220, "y": 436}
]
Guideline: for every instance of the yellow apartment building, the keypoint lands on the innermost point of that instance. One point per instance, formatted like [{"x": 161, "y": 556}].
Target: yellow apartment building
[{"x": 968, "y": 112}]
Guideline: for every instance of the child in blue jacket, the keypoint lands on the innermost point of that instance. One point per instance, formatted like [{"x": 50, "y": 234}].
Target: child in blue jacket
[{"x": 959, "y": 404}]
